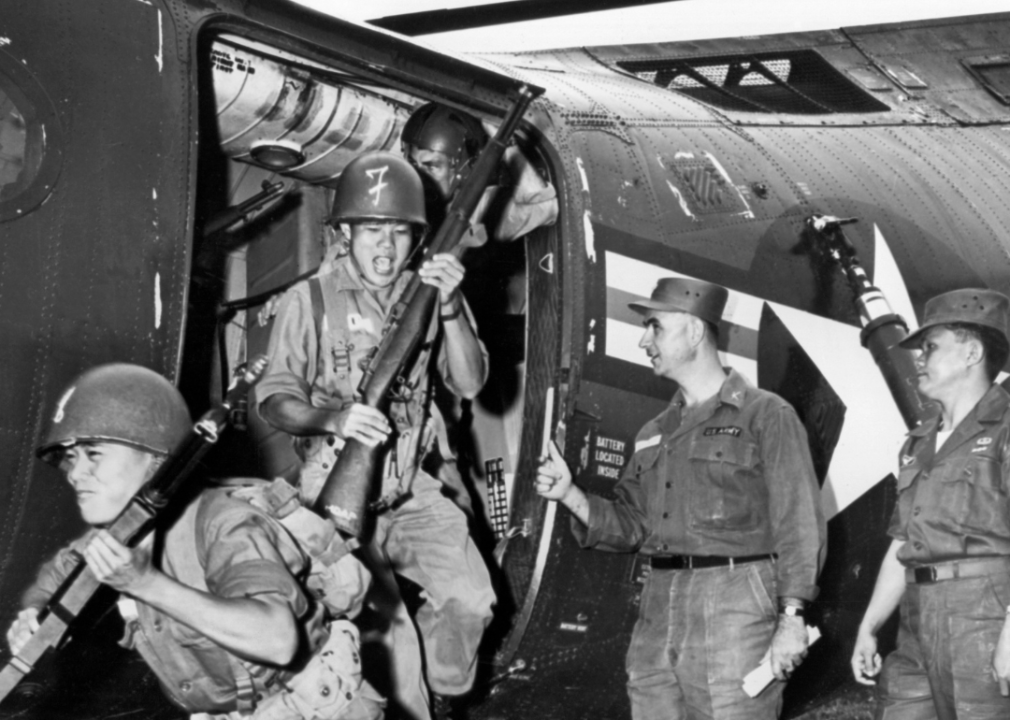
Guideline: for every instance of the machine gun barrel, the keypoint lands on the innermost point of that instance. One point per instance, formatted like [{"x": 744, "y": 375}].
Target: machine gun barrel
[
  {"x": 131, "y": 526},
  {"x": 883, "y": 329},
  {"x": 353, "y": 481}
]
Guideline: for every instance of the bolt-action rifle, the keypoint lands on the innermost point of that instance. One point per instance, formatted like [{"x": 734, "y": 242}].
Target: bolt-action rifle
[
  {"x": 883, "y": 329},
  {"x": 130, "y": 527},
  {"x": 353, "y": 482}
]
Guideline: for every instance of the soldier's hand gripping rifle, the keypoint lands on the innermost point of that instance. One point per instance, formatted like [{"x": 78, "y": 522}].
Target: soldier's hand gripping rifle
[
  {"x": 131, "y": 526},
  {"x": 883, "y": 329},
  {"x": 354, "y": 481}
]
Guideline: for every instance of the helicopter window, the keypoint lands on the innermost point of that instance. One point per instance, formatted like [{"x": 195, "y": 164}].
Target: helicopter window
[
  {"x": 799, "y": 82},
  {"x": 994, "y": 73},
  {"x": 29, "y": 141},
  {"x": 19, "y": 160}
]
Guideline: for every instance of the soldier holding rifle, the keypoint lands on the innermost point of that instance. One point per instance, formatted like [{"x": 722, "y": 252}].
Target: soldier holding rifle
[
  {"x": 215, "y": 606},
  {"x": 325, "y": 327}
]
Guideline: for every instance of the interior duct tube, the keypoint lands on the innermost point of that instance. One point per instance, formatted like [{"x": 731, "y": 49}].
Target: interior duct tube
[{"x": 291, "y": 120}]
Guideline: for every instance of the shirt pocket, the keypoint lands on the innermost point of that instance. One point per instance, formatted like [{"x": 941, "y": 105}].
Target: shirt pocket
[
  {"x": 972, "y": 495},
  {"x": 723, "y": 491}
]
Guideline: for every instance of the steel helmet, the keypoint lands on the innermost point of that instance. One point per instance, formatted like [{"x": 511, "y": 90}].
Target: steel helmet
[
  {"x": 379, "y": 186},
  {"x": 121, "y": 403},
  {"x": 458, "y": 135}
]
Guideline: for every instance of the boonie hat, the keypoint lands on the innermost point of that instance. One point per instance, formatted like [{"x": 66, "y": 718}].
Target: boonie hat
[
  {"x": 680, "y": 294},
  {"x": 977, "y": 306}
]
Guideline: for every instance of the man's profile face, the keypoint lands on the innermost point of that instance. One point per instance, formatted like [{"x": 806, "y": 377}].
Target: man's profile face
[
  {"x": 942, "y": 362},
  {"x": 379, "y": 249},
  {"x": 105, "y": 475},
  {"x": 666, "y": 341},
  {"x": 436, "y": 165}
]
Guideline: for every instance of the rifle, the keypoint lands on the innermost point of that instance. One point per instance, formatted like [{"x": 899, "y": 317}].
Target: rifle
[
  {"x": 130, "y": 527},
  {"x": 353, "y": 481},
  {"x": 231, "y": 215}
]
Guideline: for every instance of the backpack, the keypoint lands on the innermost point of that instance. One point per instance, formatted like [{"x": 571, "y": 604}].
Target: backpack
[{"x": 337, "y": 579}]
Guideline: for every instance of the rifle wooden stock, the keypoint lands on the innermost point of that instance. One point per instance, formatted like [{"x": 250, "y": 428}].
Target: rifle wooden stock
[
  {"x": 131, "y": 526},
  {"x": 353, "y": 482}
]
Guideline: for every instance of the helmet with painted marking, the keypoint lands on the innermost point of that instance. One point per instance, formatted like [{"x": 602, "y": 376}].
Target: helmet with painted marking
[
  {"x": 121, "y": 403},
  {"x": 379, "y": 186}
]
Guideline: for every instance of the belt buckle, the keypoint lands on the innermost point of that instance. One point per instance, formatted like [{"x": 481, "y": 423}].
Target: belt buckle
[
  {"x": 925, "y": 574},
  {"x": 688, "y": 562}
]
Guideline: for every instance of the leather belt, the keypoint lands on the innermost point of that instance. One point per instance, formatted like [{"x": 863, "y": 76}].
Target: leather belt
[
  {"x": 956, "y": 569},
  {"x": 695, "y": 562}
]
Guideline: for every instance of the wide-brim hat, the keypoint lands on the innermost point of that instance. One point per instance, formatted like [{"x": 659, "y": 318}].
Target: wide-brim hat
[
  {"x": 681, "y": 294},
  {"x": 975, "y": 306}
]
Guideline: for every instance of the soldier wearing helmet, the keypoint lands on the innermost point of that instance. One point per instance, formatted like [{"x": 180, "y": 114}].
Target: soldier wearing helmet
[
  {"x": 214, "y": 606},
  {"x": 442, "y": 143},
  {"x": 324, "y": 329}
]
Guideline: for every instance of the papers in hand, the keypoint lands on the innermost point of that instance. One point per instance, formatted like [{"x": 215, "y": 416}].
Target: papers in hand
[{"x": 760, "y": 677}]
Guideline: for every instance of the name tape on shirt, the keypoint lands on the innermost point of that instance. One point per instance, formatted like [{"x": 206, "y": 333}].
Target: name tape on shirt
[{"x": 731, "y": 430}]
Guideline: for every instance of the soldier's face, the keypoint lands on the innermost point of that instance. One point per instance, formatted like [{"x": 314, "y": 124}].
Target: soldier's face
[
  {"x": 436, "y": 165},
  {"x": 379, "y": 250},
  {"x": 667, "y": 341},
  {"x": 943, "y": 362},
  {"x": 105, "y": 475}
]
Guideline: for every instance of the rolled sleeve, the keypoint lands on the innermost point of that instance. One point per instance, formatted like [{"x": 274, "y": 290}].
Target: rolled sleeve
[
  {"x": 293, "y": 350},
  {"x": 443, "y": 354},
  {"x": 246, "y": 556},
  {"x": 797, "y": 521},
  {"x": 532, "y": 203}
]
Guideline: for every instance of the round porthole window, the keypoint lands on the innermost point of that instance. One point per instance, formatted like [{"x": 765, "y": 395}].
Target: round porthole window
[{"x": 30, "y": 141}]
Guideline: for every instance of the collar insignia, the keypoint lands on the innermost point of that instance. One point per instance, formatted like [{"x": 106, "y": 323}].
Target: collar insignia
[{"x": 907, "y": 460}]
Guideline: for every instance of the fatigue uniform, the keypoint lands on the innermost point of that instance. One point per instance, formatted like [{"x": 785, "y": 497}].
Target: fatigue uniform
[
  {"x": 424, "y": 536},
  {"x": 953, "y": 509},
  {"x": 531, "y": 204},
  {"x": 228, "y": 548},
  {"x": 731, "y": 478}
]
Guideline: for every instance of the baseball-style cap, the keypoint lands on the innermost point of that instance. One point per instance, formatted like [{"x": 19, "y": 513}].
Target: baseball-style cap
[
  {"x": 680, "y": 294},
  {"x": 976, "y": 306}
]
